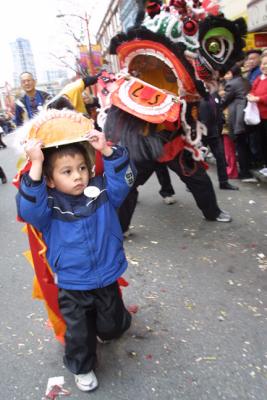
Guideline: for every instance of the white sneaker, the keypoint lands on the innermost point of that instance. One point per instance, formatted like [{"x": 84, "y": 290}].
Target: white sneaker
[
  {"x": 224, "y": 217},
  {"x": 249, "y": 180},
  {"x": 102, "y": 341},
  {"x": 169, "y": 200},
  {"x": 86, "y": 382}
]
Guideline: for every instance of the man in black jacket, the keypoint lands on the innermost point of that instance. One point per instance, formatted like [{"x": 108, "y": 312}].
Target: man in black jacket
[{"x": 210, "y": 114}]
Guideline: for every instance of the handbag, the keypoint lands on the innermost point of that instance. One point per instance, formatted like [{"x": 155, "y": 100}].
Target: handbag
[{"x": 252, "y": 114}]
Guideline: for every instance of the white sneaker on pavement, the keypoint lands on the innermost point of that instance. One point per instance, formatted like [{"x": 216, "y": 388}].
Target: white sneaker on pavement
[
  {"x": 169, "y": 200},
  {"x": 224, "y": 217},
  {"x": 86, "y": 382},
  {"x": 102, "y": 341}
]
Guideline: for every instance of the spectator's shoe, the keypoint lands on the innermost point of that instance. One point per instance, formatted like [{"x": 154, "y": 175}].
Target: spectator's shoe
[
  {"x": 4, "y": 179},
  {"x": 224, "y": 216},
  {"x": 86, "y": 382},
  {"x": 228, "y": 186},
  {"x": 249, "y": 180},
  {"x": 169, "y": 200}
]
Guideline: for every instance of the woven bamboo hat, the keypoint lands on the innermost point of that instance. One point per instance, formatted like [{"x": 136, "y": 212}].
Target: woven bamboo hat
[{"x": 58, "y": 127}]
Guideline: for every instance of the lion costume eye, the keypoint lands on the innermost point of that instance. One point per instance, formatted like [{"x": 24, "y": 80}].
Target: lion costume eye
[{"x": 218, "y": 44}]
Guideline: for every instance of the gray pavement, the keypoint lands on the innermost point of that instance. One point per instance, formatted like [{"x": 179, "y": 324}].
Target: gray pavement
[{"x": 200, "y": 332}]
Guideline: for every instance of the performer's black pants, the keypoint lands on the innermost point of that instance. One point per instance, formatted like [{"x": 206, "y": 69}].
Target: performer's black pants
[
  {"x": 2, "y": 174},
  {"x": 163, "y": 175},
  {"x": 197, "y": 181},
  {"x": 91, "y": 313},
  {"x": 2, "y": 144}
]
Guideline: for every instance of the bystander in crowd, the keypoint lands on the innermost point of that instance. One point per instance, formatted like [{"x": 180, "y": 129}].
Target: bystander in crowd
[
  {"x": 31, "y": 102},
  {"x": 258, "y": 95},
  {"x": 236, "y": 90}
]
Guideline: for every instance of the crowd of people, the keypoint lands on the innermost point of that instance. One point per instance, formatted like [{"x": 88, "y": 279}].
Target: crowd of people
[
  {"x": 97, "y": 308},
  {"x": 237, "y": 148},
  {"x": 245, "y": 145}
]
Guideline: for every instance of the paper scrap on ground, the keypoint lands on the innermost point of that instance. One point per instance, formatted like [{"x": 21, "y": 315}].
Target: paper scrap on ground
[
  {"x": 263, "y": 171},
  {"x": 55, "y": 388}
]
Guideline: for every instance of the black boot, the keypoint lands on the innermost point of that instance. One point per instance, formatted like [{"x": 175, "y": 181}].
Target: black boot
[
  {"x": 2, "y": 144},
  {"x": 3, "y": 176},
  {"x": 228, "y": 186}
]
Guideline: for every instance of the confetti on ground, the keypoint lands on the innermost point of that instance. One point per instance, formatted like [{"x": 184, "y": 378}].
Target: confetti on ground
[
  {"x": 133, "y": 261},
  {"x": 55, "y": 388},
  {"x": 133, "y": 308},
  {"x": 148, "y": 356},
  {"x": 57, "y": 391},
  {"x": 210, "y": 358},
  {"x": 261, "y": 255},
  {"x": 132, "y": 354}
]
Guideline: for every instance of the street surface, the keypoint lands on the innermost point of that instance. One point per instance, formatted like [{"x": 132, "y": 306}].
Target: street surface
[{"x": 200, "y": 332}]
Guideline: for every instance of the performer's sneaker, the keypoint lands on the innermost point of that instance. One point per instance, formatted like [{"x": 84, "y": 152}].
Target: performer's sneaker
[
  {"x": 127, "y": 233},
  {"x": 224, "y": 217},
  {"x": 169, "y": 200},
  {"x": 86, "y": 382},
  {"x": 102, "y": 341}
]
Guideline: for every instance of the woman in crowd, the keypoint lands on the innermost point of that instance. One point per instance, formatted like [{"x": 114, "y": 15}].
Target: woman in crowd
[
  {"x": 236, "y": 90},
  {"x": 228, "y": 140}
]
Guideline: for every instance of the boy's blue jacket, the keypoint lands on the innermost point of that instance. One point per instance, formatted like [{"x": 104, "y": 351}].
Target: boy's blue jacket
[{"x": 83, "y": 235}]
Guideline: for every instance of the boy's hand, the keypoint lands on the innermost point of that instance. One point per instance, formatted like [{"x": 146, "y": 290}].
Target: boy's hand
[
  {"x": 33, "y": 149},
  {"x": 98, "y": 141}
]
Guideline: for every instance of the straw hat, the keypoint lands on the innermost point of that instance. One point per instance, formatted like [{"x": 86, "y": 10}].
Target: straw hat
[{"x": 59, "y": 127}]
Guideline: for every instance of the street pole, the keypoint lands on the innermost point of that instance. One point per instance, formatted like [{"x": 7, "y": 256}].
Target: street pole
[{"x": 89, "y": 45}]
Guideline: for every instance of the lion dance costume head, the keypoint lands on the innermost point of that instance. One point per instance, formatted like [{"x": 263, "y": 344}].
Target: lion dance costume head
[{"x": 165, "y": 60}]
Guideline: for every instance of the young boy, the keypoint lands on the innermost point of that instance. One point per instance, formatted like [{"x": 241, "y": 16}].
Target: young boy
[{"x": 76, "y": 214}]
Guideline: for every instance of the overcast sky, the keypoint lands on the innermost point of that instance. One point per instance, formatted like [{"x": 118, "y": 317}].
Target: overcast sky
[{"x": 36, "y": 21}]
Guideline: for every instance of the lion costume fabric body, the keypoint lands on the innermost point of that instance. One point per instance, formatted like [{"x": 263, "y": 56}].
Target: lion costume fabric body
[{"x": 151, "y": 105}]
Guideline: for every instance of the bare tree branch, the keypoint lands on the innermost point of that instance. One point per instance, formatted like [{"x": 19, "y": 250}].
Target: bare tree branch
[{"x": 63, "y": 62}]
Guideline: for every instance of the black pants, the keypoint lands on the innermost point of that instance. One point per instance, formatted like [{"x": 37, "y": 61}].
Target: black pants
[
  {"x": 192, "y": 174},
  {"x": 243, "y": 155},
  {"x": 199, "y": 183},
  {"x": 98, "y": 312},
  {"x": 2, "y": 174},
  {"x": 144, "y": 171},
  {"x": 163, "y": 175},
  {"x": 217, "y": 149},
  {"x": 2, "y": 144},
  {"x": 263, "y": 131},
  {"x": 254, "y": 139}
]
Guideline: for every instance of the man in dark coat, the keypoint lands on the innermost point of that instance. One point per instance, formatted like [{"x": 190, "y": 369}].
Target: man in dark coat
[{"x": 210, "y": 114}]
